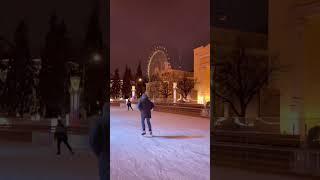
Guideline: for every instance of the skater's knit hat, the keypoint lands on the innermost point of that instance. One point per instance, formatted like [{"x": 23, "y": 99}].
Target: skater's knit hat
[{"x": 144, "y": 96}]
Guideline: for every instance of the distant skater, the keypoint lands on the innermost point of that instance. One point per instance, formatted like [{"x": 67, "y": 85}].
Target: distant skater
[
  {"x": 60, "y": 135},
  {"x": 129, "y": 105},
  {"x": 145, "y": 106}
]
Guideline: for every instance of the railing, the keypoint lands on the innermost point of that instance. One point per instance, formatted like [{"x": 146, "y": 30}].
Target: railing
[
  {"x": 36, "y": 133},
  {"x": 266, "y": 152},
  {"x": 37, "y": 128},
  {"x": 307, "y": 162},
  {"x": 184, "y": 110}
]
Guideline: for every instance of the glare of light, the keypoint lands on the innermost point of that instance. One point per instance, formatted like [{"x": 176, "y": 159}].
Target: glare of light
[
  {"x": 140, "y": 79},
  {"x": 96, "y": 57}
]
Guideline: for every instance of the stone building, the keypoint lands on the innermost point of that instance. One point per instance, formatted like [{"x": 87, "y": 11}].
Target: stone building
[
  {"x": 293, "y": 35},
  {"x": 201, "y": 73}
]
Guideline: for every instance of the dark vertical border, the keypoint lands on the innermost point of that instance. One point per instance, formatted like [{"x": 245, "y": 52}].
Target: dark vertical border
[
  {"x": 105, "y": 18},
  {"x": 212, "y": 87}
]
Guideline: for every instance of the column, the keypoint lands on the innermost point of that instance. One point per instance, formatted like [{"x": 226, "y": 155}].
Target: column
[
  {"x": 133, "y": 90},
  {"x": 174, "y": 92}
]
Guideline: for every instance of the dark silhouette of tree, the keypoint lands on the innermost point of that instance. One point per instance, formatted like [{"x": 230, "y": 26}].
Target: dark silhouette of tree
[
  {"x": 126, "y": 86},
  {"x": 19, "y": 75},
  {"x": 53, "y": 72},
  {"x": 95, "y": 79},
  {"x": 6, "y": 52},
  {"x": 140, "y": 81},
  {"x": 165, "y": 90},
  {"x": 185, "y": 86},
  {"x": 93, "y": 40},
  {"x": 241, "y": 77},
  {"x": 116, "y": 85}
]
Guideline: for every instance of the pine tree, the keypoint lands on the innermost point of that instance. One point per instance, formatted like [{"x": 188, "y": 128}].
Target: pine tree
[
  {"x": 140, "y": 82},
  {"x": 20, "y": 86},
  {"x": 116, "y": 85},
  {"x": 95, "y": 68},
  {"x": 53, "y": 72},
  {"x": 126, "y": 86}
]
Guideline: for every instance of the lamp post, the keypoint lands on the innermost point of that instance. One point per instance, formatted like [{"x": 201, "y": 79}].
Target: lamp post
[
  {"x": 133, "y": 90},
  {"x": 74, "y": 99}
]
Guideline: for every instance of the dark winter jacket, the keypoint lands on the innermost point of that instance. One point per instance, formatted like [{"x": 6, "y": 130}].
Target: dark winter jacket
[
  {"x": 98, "y": 141},
  {"x": 145, "y": 106},
  {"x": 60, "y": 132}
]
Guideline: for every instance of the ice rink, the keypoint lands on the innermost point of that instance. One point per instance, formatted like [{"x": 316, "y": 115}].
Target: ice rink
[{"x": 179, "y": 150}]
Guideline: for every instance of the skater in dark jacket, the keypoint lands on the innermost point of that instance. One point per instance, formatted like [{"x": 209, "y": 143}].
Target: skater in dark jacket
[
  {"x": 129, "y": 105},
  {"x": 60, "y": 135},
  {"x": 98, "y": 142},
  {"x": 145, "y": 106}
]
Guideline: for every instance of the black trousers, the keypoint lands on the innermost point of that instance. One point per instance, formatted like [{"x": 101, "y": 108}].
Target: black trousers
[
  {"x": 129, "y": 106},
  {"x": 143, "y": 124},
  {"x": 65, "y": 141}
]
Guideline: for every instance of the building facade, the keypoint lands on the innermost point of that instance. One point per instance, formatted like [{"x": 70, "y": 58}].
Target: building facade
[
  {"x": 293, "y": 35},
  {"x": 201, "y": 73}
]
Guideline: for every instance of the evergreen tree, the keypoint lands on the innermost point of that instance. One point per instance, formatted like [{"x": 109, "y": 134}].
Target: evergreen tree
[
  {"x": 20, "y": 86},
  {"x": 126, "y": 86},
  {"x": 116, "y": 85},
  {"x": 140, "y": 82},
  {"x": 93, "y": 39},
  {"x": 95, "y": 66},
  {"x": 53, "y": 72}
]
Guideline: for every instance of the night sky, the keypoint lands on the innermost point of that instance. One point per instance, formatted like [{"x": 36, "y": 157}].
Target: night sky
[
  {"x": 180, "y": 25},
  {"x": 245, "y": 15},
  {"x": 37, "y": 13}
]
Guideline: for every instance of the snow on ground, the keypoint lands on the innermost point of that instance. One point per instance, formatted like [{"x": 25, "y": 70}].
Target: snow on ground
[
  {"x": 179, "y": 150},
  {"x": 23, "y": 161}
]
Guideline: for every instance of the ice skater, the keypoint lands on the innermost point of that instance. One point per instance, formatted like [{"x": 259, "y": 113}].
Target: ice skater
[
  {"x": 129, "y": 104},
  {"x": 60, "y": 135},
  {"x": 145, "y": 106}
]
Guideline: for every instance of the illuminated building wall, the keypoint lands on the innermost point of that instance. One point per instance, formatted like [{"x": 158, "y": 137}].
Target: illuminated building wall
[
  {"x": 202, "y": 73},
  {"x": 293, "y": 35}
]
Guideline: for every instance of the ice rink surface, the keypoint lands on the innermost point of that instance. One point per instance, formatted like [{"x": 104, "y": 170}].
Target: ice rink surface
[{"x": 178, "y": 150}]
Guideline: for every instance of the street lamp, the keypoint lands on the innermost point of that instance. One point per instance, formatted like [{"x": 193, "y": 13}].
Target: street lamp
[
  {"x": 96, "y": 57},
  {"x": 140, "y": 79}
]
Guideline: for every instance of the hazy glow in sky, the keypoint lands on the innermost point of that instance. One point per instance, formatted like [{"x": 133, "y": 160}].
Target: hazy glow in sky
[{"x": 180, "y": 25}]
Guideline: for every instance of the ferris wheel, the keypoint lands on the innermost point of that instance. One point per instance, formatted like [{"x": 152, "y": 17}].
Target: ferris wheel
[{"x": 158, "y": 62}]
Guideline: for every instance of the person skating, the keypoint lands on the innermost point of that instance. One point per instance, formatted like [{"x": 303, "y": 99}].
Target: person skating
[
  {"x": 60, "y": 136},
  {"x": 129, "y": 105},
  {"x": 98, "y": 142},
  {"x": 145, "y": 106}
]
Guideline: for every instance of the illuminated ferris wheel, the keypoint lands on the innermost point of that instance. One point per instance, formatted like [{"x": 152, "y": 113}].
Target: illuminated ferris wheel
[{"x": 158, "y": 62}]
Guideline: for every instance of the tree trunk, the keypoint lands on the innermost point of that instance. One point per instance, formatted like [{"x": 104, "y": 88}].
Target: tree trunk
[{"x": 243, "y": 112}]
